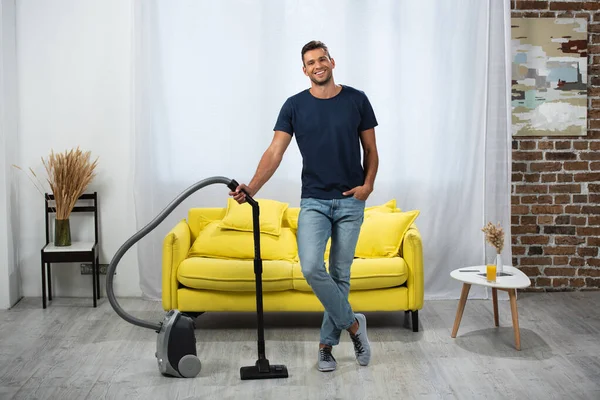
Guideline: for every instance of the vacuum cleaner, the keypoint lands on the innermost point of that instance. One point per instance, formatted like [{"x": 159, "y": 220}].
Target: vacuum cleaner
[{"x": 176, "y": 342}]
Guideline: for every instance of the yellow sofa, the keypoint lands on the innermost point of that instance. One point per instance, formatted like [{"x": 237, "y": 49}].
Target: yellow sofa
[{"x": 207, "y": 264}]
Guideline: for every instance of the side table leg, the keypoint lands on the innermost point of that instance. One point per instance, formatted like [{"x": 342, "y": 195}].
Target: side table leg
[
  {"x": 495, "y": 301},
  {"x": 512, "y": 294},
  {"x": 461, "y": 307}
]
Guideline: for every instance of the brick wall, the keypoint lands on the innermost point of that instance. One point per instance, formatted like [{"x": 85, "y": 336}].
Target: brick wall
[{"x": 556, "y": 181}]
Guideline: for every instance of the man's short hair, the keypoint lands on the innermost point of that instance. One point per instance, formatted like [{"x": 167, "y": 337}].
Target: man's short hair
[{"x": 312, "y": 45}]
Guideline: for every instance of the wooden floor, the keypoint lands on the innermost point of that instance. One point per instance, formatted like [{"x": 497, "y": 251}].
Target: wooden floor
[{"x": 72, "y": 351}]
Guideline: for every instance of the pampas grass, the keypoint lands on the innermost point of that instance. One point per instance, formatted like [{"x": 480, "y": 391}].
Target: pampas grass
[
  {"x": 69, "y": 174},
  {"x": 494, "y": 234}
]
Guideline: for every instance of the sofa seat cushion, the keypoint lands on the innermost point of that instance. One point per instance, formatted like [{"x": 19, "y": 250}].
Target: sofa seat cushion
[
  {"x": 233, "y": 275},
  {"x": 365, "y": 274}
]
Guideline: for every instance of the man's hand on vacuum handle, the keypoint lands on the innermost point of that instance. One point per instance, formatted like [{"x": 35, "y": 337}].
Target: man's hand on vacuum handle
[{"x": 239, "y": 195}]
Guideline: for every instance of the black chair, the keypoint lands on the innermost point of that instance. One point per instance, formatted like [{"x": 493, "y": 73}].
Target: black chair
[{"x": 77, "y": 252}]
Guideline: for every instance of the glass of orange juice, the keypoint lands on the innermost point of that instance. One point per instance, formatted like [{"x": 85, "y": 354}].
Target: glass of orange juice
[{"x": 491, "y": 272}]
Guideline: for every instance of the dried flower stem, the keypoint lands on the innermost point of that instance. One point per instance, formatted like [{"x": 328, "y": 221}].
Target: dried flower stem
[{"x": 39, "y": 188}]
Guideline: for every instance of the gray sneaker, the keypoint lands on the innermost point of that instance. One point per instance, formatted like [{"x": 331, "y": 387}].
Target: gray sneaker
[
  {"x": 326, "y": 360},
  {"x": 362, "y": 348}
]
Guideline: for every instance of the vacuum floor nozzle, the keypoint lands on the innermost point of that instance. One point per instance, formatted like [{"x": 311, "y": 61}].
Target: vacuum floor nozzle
[{"x": 262, "y": 370}]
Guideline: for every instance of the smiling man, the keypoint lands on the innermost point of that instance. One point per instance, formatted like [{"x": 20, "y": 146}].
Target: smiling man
[{"x": 330, "y": 122}]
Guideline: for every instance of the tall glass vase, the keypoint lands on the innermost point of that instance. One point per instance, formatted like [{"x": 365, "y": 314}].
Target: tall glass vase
[{"x": 499, "y": 265}]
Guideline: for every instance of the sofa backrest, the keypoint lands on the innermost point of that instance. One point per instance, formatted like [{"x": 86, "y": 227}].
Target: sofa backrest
[{"x": 199, "y": 218}]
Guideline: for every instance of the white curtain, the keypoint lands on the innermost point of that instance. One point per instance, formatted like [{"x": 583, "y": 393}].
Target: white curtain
[
  {"x": 10, "y": 275},
  {"x": 211, "y": 76}
]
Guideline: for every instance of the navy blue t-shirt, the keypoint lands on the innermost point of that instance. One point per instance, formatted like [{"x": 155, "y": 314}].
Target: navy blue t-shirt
[{"x": 328, "y": 136}]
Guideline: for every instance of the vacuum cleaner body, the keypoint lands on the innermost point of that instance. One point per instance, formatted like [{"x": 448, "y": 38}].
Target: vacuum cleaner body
[{"x": 176, "y": 346}]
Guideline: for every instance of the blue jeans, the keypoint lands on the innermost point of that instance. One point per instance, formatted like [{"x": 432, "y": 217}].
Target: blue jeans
[{"x": 340, "y": 219}]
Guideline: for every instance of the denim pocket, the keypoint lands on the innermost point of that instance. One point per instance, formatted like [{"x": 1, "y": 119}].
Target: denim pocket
[
  {"x": 352, "y": 203},
  {"x": 359, "y": 200}
]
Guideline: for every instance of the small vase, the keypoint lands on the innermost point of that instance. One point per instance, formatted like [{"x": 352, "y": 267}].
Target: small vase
[
  {"x": 499, "y": 265},
  {"x": 62, "y": 233}
]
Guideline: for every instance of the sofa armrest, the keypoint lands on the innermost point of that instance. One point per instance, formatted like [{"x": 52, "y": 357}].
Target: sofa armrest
[
  {"x": 412, "y": 251},
  {"x": 176, "y": 246}
]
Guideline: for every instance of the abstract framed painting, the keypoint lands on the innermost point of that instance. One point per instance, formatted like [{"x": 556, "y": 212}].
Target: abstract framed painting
[{"x": 549, "y": 76}]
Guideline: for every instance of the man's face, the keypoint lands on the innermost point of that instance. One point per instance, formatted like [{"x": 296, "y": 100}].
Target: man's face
[{"x": 318, "y": 66}]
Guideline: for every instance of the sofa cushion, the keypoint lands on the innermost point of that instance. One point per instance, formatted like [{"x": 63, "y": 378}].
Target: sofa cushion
[
  {"x": 233, "y": 275},
  {"x": 215, "y": 242},
  {"x": 290, "y": 217},
  {"x": 199, "y": 217},
  {"x": 239, "y": 216},
  {"x": 381, "y": 234},
  {"x": 382, "y": 231},
  {"x": 365, "y": 274},
  {"x": 389, "y": 206}
]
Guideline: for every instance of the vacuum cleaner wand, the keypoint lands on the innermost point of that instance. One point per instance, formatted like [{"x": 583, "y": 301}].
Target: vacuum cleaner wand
[{"x": 262, "y": 369}]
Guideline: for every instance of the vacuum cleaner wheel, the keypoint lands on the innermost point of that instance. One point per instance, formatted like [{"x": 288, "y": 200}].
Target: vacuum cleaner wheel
[{"x": 189, "y": 366}]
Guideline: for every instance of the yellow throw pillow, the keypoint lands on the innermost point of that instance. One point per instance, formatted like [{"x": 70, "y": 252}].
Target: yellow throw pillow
[
  {"x": 239, "y": 216},
  {"x": 215, "y": 242},
  {"x": 327, "y": 249},
  {"x": 390, "y": 206},
  {"x": 290, "y": 217},
  {"x": 202, "y": 221},
  {"x": 381, "y": 233}
]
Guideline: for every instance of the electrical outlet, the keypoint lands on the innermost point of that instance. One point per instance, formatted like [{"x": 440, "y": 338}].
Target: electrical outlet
[{"x": 86, "y": 269}]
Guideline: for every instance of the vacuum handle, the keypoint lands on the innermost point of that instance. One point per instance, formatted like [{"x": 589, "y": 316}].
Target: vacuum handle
[
  {"x": 233, "y": 185},
  {"x": 258, "y": 269}
]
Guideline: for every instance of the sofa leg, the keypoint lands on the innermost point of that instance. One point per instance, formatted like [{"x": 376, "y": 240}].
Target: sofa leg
[{"x": 415, "y": 320}]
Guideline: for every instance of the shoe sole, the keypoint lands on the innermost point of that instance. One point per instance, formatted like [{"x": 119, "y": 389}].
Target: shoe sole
[{"x": 326, "y": 369}]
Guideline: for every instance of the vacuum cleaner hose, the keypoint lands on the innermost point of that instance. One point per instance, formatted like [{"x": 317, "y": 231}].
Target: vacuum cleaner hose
[{"x": 231, "y": 183}]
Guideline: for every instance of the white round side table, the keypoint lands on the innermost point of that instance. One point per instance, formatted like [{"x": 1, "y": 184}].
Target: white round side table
[{"x": 475, "y": 275}]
